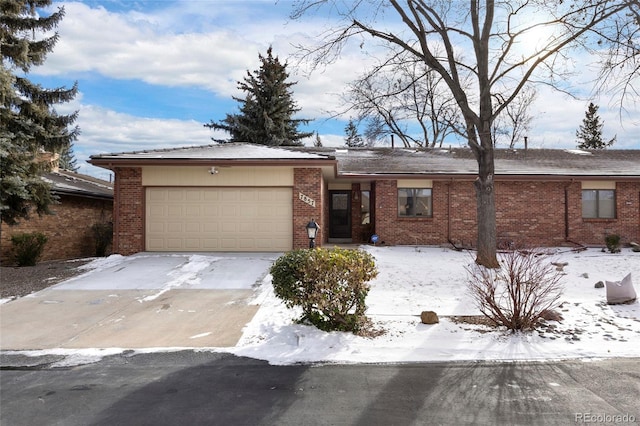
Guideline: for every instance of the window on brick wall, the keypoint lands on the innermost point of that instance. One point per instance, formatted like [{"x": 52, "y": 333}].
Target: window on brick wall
[
  {"x": 598, "y": 203},
  {"x": 414, "y": 202},
  {"x": 365, "y": 207}
]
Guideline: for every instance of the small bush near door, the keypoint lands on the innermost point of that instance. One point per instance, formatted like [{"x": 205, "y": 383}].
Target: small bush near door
[
  {"x": 28, "y": 247},
  {"x": 330, "y": 285}
]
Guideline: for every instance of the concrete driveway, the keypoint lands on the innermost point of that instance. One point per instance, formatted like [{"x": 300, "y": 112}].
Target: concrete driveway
[{"x": 147, "y": 300}]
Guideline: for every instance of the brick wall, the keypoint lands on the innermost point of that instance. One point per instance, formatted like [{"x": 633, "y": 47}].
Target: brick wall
[
  {"x": 527, "y": 213},
  {"x": 68, "y": 230},
  {"x": 128, "y": 201},
  {"x": 393, "y": 229},
  {"x": 309, "y": 182},
  {"x": 592, "y": 231},
  {"x": 530, "y": 213}
]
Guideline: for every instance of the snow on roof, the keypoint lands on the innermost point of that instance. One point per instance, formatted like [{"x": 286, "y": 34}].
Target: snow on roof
[
  {"x": 226, "y": 151},
  {"x": 531, "y": 162},
  {"x": 68, "y": 182},
  {"x": 411, "y": 161}
]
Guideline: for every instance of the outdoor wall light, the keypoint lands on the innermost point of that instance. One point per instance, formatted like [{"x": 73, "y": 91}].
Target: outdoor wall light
[
  {"x": 213, "y": 170},
  {"x": 312, "y": 233}
]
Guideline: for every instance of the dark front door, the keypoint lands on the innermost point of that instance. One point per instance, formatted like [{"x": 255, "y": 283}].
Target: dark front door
[{"x": 340, "y": 214}]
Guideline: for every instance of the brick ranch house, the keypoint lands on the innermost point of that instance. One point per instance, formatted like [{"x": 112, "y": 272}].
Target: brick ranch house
[
  {"x": 82, "y": 202},
  {"x": 241, "y": 197}
]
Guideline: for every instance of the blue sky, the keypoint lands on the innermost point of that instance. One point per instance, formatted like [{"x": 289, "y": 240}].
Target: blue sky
[{"x": 151, "y": 73}]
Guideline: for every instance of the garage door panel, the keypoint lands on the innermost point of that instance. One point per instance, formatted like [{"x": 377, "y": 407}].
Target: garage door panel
[
  {"x": 157, "y": 211},
  {"x": 192, "y": 243},
  {"x": 175, "y": 195},
  {"x": 174, "y": 211},
  {"x": 210, "y": 196},
  {"x": 192, "y": 211},
  {"x": 229, "y": 196},
  {"x": 228, "y": 211},
  {"x": 174, "y": 243},
  {"x": 210, "y": 210},
  {"x": 192, "y": 227},
  {"x": 193, "y": 196},
  {"x": 219, "y": 219},
  {"x": 173, "y": 227},
  {"x": 210, "y": 244},
  {"x": 210, "y": 227}
]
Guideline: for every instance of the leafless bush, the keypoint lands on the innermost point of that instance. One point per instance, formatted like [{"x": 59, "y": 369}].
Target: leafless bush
[{"x": 517, "y": 293}]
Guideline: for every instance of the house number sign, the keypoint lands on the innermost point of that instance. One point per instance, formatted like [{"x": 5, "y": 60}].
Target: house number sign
[{"x": 307, "y": 199}]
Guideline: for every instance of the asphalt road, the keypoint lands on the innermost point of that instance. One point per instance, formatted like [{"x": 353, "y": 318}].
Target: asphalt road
[{"x": 201, "y": 388}]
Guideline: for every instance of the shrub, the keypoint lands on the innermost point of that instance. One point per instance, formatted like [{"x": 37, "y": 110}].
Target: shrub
[
  {"x": 103, "y": 235},
  {"x": 329, "y": 285},
  {"x": 613, "y": 243},
  {"x": 517, "y": 294},
  {"x": 28, "y": 247}
]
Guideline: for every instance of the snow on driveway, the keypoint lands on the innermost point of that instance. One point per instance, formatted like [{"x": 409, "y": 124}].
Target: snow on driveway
[{"x": 166, "y": 271}]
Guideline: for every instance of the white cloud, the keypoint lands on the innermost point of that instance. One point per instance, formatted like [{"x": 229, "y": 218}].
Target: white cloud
[
  {"x": 107, "y": 131},
  {"x": 189, "y": 45}
]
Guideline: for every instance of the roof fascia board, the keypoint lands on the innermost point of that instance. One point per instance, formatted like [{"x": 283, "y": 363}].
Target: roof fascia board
[
  {"x": 82, "y": 194},
  {"x": 469, "y": 176},
  {"x": 110, "y": 163}
]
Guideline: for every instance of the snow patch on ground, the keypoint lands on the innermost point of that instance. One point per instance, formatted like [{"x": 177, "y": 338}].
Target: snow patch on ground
[
  {"x": 185, "y": 274},
  {"x": 415, "y": 279}
]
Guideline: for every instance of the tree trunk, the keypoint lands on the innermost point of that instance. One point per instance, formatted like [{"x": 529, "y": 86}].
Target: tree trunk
[{"x": 486, "y": 205}]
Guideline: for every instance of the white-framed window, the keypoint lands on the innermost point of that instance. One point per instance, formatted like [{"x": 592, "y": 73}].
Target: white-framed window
[
  {"x": 415, "y": 202},
  {"x": 598, "y": 203}
]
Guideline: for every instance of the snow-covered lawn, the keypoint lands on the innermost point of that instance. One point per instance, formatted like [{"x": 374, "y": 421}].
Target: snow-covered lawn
[{"x": 415, "y": 279}]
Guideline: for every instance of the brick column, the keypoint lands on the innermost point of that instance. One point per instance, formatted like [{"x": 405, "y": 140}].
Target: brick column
[
  {"x": 309, "y": 183},
  {"x": 356, "y": 213},
  {"x": 128, "y": 211},
  {"x": 386, "y": 210}
]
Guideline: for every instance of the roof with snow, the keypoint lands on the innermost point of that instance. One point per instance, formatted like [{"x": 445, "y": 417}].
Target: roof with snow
[
  {"x": 434, "y": 162},
  {"x": 65, "y": 182},
  {"x": 461, "y": 161},
  {"x": 225, "y": 151}
]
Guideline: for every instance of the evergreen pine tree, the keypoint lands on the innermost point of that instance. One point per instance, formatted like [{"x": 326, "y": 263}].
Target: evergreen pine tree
[
  {"x": 266, "y": 111},
  {"x": 67, "y": 159},
  {"x": 589, "y": 133},
  {"x": 353, "y": 139},
  {"x": 317, "y": 141},
  {"x": 28, "y": 123}
]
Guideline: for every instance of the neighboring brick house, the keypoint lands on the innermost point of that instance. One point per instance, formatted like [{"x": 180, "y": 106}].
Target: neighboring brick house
[
  {"x": 82, "y": 202},
  {"x": 241, "y": 197}
]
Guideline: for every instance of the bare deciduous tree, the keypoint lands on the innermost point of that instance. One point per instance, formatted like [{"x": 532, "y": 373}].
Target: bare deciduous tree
[
  {"x": 403, "y": 97},
  {"x": 499, "y": 47},
  {"x": 620, "y": 41},
  {"x": 515, "y": 121}
]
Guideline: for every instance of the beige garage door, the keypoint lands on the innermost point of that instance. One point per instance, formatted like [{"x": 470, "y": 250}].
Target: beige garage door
[{"x": 219, "y": 219}]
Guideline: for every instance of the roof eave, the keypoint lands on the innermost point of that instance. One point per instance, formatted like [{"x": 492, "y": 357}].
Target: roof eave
[
  {"x": 111, "y": 163},
  {"x": 498, "y": 177},
  {"x": 85, "y": 194}
]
